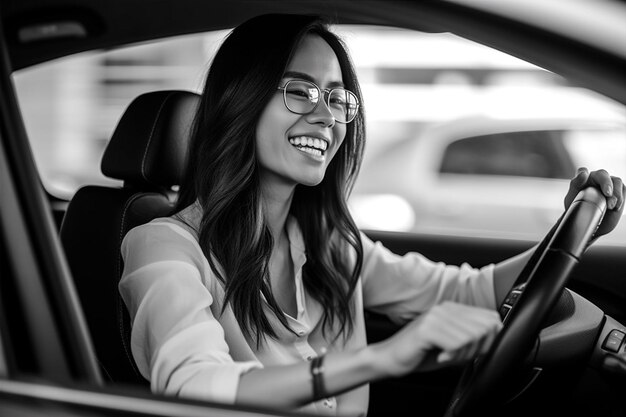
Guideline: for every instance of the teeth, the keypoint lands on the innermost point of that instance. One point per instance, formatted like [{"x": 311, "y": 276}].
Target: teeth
[
  {"x": 316, "y": 143},
  {"x": 311, "y": 151}
]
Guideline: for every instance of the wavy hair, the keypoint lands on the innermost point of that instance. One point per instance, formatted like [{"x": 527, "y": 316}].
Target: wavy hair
[{"x": 223, "y": 176}]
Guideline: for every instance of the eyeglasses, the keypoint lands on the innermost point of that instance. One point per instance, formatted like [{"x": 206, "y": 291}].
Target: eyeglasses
[{"x": 303, "y": 97}]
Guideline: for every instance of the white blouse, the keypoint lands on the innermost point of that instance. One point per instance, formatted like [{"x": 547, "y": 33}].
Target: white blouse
[{"x": 185, "y": 346}]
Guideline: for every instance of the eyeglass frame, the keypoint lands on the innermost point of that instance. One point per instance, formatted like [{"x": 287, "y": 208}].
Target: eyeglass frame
[{"x": 328, "y": 92}]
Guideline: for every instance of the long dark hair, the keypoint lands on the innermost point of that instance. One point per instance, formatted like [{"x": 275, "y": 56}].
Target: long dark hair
[{"x": 223, "y": 176}]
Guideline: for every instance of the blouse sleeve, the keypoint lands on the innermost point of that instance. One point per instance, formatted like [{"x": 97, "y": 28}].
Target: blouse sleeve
[
  {"x": 176, "y": 341},
  {"x": 402, "y": 287}
]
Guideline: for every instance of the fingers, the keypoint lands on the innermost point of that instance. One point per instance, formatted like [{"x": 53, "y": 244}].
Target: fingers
[
  {"x": 582, "y": 175},
  {"x": 469, "y": 350},
  {"x": 619, "y": 189},
  {"x": 460, "y": 331},
  {"x": 612, "y": 187},
  {"x": 576, "y": 184},
  {"x": 602, "y": 180}
]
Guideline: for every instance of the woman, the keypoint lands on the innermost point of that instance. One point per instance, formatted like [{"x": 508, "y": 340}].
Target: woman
[{"x": 253, "y": 291}]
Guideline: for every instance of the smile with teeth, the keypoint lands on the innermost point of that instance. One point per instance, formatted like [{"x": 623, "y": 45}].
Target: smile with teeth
[{"x": 313, "y": 146}]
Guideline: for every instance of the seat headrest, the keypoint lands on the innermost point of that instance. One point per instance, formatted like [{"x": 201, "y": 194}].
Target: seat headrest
[{"x": 149, "y": 145}]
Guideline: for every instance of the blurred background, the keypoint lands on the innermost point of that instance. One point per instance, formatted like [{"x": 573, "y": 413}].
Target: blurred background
[{"x": 461, "y": 139}]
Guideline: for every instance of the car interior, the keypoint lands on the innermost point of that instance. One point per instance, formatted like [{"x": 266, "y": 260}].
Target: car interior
[
  {"x": 147, "y": 152},
  {"x": 68, "y": 324}
]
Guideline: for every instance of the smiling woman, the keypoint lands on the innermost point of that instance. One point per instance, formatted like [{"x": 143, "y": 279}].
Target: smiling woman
[
  {"x": 268, "y": 284},
  {"x": 254, "y": 289},
  {"x": 248, "y": 186}
]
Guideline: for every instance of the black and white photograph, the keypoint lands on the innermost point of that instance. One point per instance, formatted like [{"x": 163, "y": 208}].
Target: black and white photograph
[{"x": 351, "y": 208}]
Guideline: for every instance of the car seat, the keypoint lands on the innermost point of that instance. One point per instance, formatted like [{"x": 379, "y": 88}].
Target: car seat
[{"x": 148, "y": 153}]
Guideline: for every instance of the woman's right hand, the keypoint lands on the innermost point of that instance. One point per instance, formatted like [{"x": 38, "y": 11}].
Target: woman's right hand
[{"x": 457, "y": 332}]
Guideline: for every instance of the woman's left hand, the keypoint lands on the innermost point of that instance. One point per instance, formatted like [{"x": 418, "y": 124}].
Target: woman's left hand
[{"x": 613, "y": 189}]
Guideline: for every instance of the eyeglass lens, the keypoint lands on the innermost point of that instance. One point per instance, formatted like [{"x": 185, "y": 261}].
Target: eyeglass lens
[{"x": 302, "y": 97}]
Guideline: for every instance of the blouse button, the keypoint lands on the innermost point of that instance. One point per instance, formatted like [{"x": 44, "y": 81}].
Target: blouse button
[
  {"x": 301, "y": 333},
  {"x": 328, "y": 403},
  {"x": 309, "y": 358}
]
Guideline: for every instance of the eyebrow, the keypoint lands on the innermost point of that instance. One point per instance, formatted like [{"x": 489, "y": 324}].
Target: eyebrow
[{"x": 307, "y": 77}]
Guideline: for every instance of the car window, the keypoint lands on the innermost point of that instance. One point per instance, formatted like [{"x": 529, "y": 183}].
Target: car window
[
  {"x": 457, "y": 133},
  {"x": 536, "y": 154},
  {"x": 465, "y": 140},
  {"x": 72, "y": 105}
]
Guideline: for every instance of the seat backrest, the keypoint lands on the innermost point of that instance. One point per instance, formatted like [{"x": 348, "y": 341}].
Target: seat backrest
[{"x": 148, "y": 153}]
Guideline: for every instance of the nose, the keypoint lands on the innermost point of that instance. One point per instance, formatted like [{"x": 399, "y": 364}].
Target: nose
[{"x": 321, "y": 114}]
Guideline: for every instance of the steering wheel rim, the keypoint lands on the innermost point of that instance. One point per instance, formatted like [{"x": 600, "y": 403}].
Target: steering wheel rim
[{"x": 548, "y": 271}]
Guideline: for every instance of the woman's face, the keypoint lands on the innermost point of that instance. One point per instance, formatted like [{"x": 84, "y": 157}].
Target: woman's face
[{"x": 290, "y": 147}]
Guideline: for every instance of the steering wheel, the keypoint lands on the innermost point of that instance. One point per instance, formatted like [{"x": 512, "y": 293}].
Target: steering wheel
[{"x": 536, "y": 291}]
